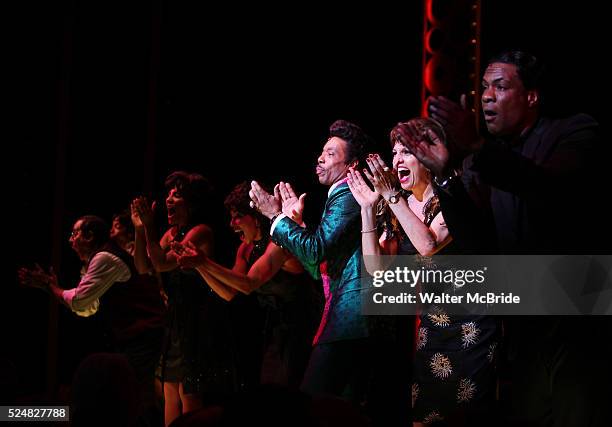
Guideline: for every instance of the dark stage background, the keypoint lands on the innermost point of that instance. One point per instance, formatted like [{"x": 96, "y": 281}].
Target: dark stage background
[{"x": 112, "y": 96}]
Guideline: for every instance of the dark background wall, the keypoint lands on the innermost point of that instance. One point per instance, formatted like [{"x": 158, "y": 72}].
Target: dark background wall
[{"x": 234, "y": 92}]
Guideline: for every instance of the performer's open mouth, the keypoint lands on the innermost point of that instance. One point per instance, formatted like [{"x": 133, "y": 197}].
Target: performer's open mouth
[{"x": 403, "y": 174}]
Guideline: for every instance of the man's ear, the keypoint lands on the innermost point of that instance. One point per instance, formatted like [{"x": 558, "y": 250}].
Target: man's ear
[
  {"x": 88, "y": 237},
  {"x": 533, "y": 98}
]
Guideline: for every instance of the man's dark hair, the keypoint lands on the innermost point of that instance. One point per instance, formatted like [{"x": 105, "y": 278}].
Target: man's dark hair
[
  {"x": 195, "y": 189},
  {"x": 530, "y": 69},
  {"x": 96, "y": 228},
  {"x": 358, "y": 142}
]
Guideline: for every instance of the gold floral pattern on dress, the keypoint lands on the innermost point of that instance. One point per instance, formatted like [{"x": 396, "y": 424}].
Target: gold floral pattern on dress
[
  {"x": 466, "y": 390},
  {"x": 432, "y": 417},
  {"x": 469, "y": 334},
  {"x": 491, "y": 353},
  {"x": 438, "y": 316},
  {"x": 415, "y": 393},
  {"x": 440, "y": 365},
  {"x": 421, "y": 338}
]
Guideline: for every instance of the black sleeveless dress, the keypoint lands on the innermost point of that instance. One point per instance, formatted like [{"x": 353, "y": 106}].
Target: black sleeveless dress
[
  {"x": 291, "y": 309},
  {"x": 454, "y": 362},
  {"x": 199, "y": 349}
]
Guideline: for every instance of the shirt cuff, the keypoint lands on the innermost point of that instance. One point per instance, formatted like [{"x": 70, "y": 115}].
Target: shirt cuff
[
  {"x": 278, "y": 218},
  {"x": 69, "y": 294}
]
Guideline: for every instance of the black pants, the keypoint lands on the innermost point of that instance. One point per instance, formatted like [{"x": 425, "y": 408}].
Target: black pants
[
  {"x": 562, "y": 372},
  {"x": 373, "y": 374}
]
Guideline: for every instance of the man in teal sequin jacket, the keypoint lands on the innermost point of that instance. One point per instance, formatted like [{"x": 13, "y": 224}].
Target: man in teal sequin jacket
[{"x": 331, "y": 253}]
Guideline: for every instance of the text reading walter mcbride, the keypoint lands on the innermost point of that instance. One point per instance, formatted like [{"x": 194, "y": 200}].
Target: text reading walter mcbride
[{"x": 488, "y": 298}]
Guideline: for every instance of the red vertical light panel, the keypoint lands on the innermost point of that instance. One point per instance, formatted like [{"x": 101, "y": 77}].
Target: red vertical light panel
[{"x": 451, "y": 50}]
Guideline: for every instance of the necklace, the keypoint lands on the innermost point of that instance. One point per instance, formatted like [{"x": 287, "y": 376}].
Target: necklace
[{"x": 180, "y": 233}]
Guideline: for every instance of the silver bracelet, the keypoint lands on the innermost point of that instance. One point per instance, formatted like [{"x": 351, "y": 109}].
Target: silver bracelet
[{"x": 369, "y": 231}]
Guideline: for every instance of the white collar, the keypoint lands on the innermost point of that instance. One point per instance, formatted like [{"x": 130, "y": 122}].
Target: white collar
[{"x": 334, "y": 185}]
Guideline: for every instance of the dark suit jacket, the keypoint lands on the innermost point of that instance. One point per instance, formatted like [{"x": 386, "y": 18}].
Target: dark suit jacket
[
  {"x": 540, "y": 192},
  {"x": 541, "y": 187},
  {"x": 337, "y": 243},
  {"x": 545, "y": 195}
]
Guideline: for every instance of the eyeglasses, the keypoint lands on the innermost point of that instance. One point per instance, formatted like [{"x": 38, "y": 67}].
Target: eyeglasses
[{"x": 74, "y": 233}]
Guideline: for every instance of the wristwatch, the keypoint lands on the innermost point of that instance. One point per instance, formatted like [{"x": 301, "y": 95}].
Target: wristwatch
[{"x": 395, "y": 198}]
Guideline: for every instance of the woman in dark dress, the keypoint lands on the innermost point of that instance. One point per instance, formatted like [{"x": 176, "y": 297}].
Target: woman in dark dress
[
  {"x": 198, "y": 357},
  {"x": 453, "y": 368},
  {"x": 276, "y": 278}
]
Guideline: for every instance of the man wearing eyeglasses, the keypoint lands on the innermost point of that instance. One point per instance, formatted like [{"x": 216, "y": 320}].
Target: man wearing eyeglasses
[{"x": 129, "y": 303}]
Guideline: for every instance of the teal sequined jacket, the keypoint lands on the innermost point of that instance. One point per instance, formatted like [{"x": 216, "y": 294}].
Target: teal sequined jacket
[{"x": 337, "y": 243}]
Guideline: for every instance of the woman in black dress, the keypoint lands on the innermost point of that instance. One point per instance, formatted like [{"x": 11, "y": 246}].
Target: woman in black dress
[
  {"x": 283, "y": 290},
  {"x": 453, "y": 369},
  {"x": 198, "y": 357}
]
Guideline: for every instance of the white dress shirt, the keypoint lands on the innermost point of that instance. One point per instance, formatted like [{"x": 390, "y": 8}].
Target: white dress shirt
[{"x": 103, "y": 270}]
